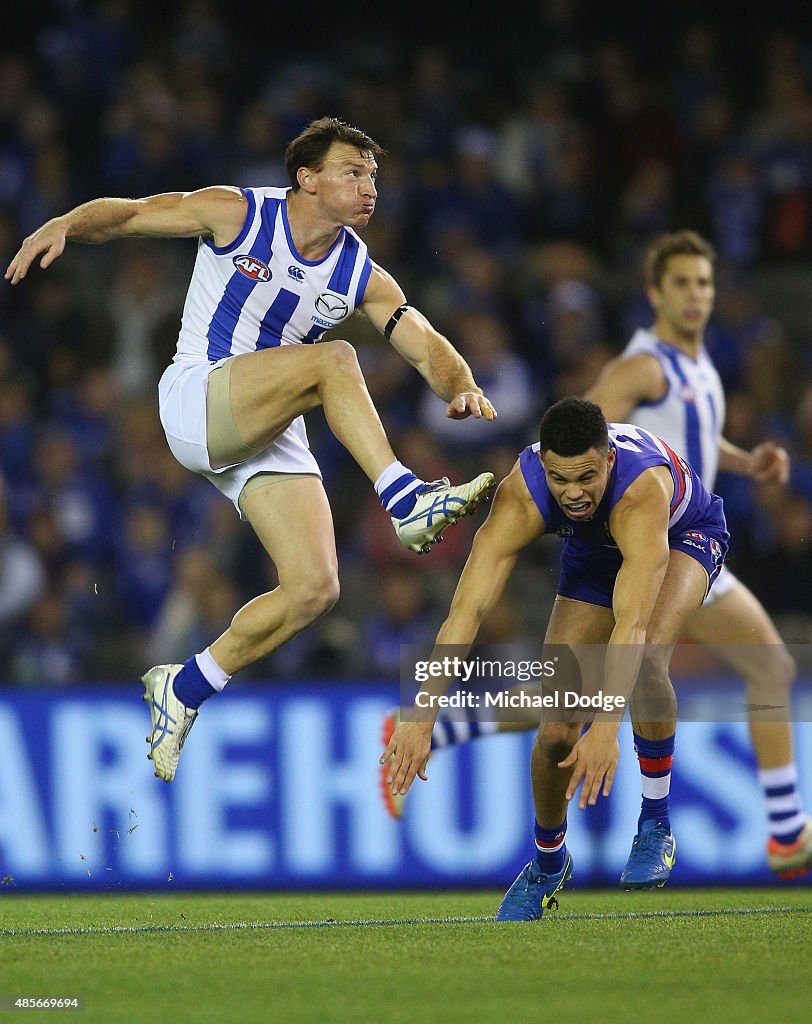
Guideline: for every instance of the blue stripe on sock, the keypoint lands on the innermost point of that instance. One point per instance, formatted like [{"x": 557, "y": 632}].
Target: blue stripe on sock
[
  {"x": 788, "y": 837},
  {"x": 783, "y": 815},
  {"x": 404, "y": 506},
  {"x": 787, "y": 790},
  {"x": 389, "y": 492},
  {"x": 191, "y": 686}
]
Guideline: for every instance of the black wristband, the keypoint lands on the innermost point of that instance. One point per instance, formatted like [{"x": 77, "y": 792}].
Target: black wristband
[{"x": 393, "y": 320}]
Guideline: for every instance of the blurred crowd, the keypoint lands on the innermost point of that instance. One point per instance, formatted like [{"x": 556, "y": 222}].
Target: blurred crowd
[{"x": 525, "y": 176}]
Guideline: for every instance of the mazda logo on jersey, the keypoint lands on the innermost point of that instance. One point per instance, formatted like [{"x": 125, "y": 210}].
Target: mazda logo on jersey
[
  {"x": 251, "y": 267},
  {"x": 332, "y": 306}
]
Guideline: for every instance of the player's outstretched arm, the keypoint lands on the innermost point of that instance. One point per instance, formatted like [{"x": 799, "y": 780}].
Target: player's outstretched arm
[
  {"x": 446, "y": 372},
  {"x": 216, "y": 212},
  {"x": 767, "y": 463},
  {"x": 626, "y": 382},
  {"x": 513, "y": 523}
]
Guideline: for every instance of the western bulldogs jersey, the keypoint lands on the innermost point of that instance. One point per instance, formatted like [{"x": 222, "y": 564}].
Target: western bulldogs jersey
[
  {"x": 258, "y": 292},
  {"x": 636, "y": 450},
  {"x": 691, "y": 415}
]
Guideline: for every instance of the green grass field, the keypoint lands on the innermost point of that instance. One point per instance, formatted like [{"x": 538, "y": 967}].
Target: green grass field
[{"x": 673, "y": 956}]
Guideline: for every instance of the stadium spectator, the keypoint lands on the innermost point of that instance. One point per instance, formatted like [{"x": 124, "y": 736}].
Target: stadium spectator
[{"x": 22, "y": 576}]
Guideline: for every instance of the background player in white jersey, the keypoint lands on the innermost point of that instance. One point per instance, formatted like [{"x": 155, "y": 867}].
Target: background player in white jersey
[
  {"x": 665, "y": 381},
  {"x": 275, "y": 269}
]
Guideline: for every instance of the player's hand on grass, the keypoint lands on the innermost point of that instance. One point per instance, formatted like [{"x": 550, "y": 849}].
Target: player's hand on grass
[
  {"x": 594, "y": 762},
  {"x": 47, "y": 242},
  {"x": 470, "y": 403},
  {"x": 407, "y": 755}
]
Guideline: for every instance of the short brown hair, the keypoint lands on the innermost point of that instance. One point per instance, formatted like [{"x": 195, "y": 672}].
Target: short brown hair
[
  {"x": 310, "y": 146},
  {"x": 678, "y": 243}
]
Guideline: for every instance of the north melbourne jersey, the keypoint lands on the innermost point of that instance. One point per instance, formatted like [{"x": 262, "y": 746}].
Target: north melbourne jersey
[{"x": 258, "y": 292}]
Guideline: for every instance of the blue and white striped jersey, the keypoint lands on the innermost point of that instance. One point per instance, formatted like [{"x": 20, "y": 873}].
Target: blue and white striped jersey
[
  {"x": 691, "y": 415},
  {"x": 259, "y": 292}
]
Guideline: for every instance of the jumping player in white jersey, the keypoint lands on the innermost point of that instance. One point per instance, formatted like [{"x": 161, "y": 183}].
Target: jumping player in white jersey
[
  {"x": 275, "y": 269},
  {"x": 665, "y": 382}
]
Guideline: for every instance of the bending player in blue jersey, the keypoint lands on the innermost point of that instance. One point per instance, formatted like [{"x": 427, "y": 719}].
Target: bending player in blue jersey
[
  {"x": 665, "y": 382},
  {"x": 643, "y": 541},
  {"x": 275, "y": 269}
]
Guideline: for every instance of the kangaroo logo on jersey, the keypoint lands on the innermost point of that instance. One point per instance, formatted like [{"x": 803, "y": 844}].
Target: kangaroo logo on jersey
[
  {"x": 252, "y": 268},
  {"x": 296, "y": 273},
  {"x": 332, "y": 306}
]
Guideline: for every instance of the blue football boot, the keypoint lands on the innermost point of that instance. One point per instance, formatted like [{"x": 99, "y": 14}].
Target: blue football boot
[
  {"x": 524, "y": 900},
  {"x": 654, "y": 853}
]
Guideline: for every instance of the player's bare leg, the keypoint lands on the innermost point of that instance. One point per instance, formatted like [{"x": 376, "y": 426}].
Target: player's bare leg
[
  {"x": 293, "y": 522},
  {"x": 576, "y": 623},
  {"x": 738, "y": 631},
  {"x": 270, "y": 388},
  {"x": 292, "y": 519},
  {"x": 653, "y": 712}
]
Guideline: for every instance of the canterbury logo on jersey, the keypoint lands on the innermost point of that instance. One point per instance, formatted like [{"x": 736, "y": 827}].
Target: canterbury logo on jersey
[
  {"x": 296, "y": 273},
  {"x": 252, "y": 268}
]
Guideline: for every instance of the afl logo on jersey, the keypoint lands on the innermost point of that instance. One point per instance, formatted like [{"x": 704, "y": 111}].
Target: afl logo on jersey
[
  {"x": 252, "y": 268},
  {"x": 332, "y": 306}
]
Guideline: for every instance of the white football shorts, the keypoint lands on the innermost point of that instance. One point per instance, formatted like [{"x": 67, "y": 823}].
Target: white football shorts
[
  {"x": 182, "y": 409},
  {"x": 722, "y": 585}
]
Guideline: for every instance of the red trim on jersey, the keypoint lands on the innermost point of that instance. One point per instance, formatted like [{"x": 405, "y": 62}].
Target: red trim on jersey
[{"x": 679, "y": 475}]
